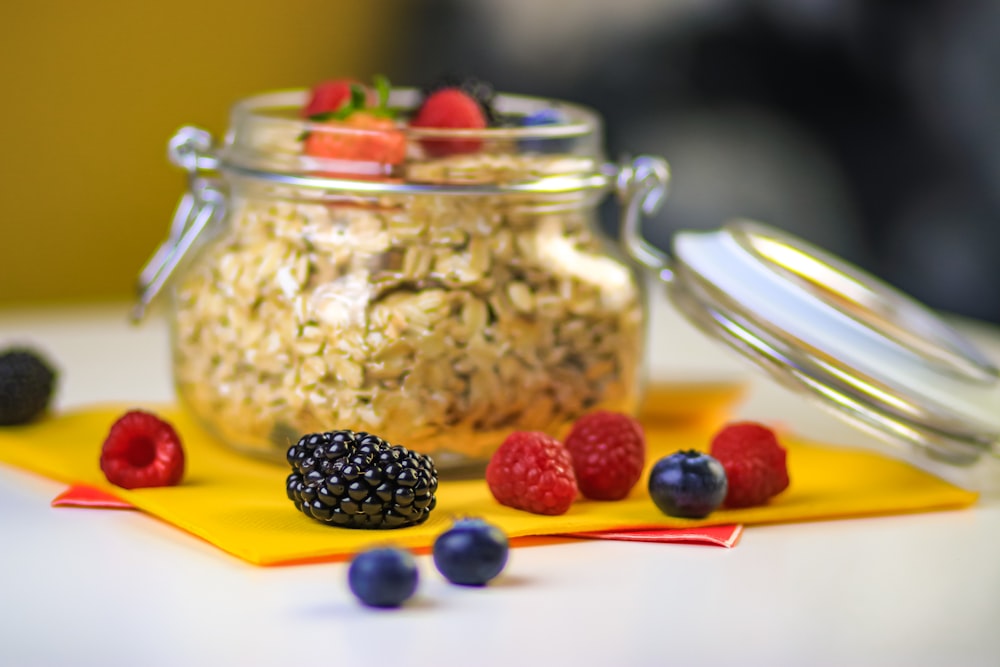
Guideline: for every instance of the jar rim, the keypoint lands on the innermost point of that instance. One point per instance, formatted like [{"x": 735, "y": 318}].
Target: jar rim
[{"x": 266, "y": 132}]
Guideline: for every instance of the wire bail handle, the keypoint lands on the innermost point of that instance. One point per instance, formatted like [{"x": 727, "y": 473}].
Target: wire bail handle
[
  {"x": 204, "y": 202},
  {"x": 641, "y": 186}
]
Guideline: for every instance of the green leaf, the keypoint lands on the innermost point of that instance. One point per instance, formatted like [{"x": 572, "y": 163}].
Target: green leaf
[
  {"x": 320, "y": 117},
  {"x": 359, "y": 102},
  {"x": 359, "y": 97},
  {"x": 382, "y": 88}
]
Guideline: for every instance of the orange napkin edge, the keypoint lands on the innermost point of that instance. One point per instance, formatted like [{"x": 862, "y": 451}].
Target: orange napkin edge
[{"x": 726, "y": 536}]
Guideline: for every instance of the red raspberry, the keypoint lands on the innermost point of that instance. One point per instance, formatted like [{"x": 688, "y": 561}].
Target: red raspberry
[
  {"x": 609, "y": 452},
  {"x": 142, "y": 450},
  {"x": 450, "y": 108},
  {"x": 328, "y": 96},
  {"x": 531, "y": 471},
  {"x": 755, "y": 464}
]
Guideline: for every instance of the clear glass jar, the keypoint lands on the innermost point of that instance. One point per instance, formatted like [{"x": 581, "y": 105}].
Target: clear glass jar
[{"x": 440, "y": 302}]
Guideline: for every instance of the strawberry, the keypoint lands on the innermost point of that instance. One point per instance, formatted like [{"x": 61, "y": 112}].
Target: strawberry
[
  {"x": 450, "y": 108},
  {"x": 327, "y": 97},
  {"x": 362, "y": 137},
  {"x": 608, "y": 451},
  {"x": 357, "y": 131},
  {"x": 142, "y": 450}
]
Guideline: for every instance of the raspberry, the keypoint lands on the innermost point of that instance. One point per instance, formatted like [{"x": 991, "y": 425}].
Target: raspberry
[
  {"x": 478, "y": 89},
  {"x": 533, "y": 472},
  {"x": 358, "y": 480},
  {"x": 454, "y": 109},
  {"x": 328, "y": 96},
  {"x": 608, "y": 451},
  {"x": 26, "y": 384},
  {"x": 142, "y": 450},
  {"x": 755, "y": 463}
]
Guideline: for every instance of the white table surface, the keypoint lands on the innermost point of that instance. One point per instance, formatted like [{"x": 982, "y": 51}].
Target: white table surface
[{"x": 80, "y": 587}]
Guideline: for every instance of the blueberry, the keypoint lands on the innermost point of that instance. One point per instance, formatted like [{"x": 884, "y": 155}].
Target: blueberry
[
  {"x": 471, "y": 552},
  {"x": 688, "y": 484},
  {"x": 546, "y": 116},
  {"x": 383, "y": 577}
]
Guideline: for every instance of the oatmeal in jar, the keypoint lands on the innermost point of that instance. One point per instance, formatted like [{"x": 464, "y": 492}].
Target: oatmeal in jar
[{"x": 450, "y": 287}]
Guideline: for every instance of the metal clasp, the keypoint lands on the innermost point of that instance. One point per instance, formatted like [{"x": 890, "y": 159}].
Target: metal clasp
[
  {"x": 641, "y": 186},
  {"x": 203, "y": 204}
]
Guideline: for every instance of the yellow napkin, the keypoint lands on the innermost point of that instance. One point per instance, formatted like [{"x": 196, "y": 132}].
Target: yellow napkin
[{"x": 239, "y": 504}]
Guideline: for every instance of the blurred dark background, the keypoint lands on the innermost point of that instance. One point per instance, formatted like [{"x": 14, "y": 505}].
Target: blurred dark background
[{"x": 869, "y": 128}]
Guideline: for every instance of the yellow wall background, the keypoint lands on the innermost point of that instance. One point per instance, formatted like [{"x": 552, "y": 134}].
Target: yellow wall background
[{"x": 91, "y": 91}]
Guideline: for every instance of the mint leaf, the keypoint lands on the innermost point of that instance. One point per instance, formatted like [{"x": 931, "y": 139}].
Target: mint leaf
[
  {"x": 320, "y": 117},
  {"x": 382, "y": 88},
  {"x": 359, "y": 97}
]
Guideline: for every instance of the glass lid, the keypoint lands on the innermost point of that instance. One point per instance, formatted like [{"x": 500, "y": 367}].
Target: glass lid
[{"x": 827, "y": 329}]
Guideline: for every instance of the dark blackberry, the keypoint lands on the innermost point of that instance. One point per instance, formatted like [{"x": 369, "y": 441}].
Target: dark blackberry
[
  {"x": 26, "y": 384},
  {"x": 479, "y": 90},
  {"x": 358, "y": 480}
]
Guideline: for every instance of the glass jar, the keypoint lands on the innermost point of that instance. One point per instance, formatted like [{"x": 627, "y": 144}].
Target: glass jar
[{"x": 440, "y": 301}]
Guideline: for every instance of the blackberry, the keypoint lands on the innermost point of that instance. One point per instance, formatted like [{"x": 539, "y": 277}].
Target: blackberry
[
  {"x": 479, "y": 90},
  {"x": 26, "y": 384},
  {"x": 358, "y": 480}
]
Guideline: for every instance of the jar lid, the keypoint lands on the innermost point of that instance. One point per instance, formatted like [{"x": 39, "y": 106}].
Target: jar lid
[{"x": 826, "y": 328}]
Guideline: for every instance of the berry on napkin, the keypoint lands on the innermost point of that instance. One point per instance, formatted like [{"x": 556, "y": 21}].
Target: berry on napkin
[
  {"x": 755, "y": 463},
  {"x": 533, "y": 472},
  {"x": 608, "y": 451},
  {"x": 688, "y": 484},
  {"x": 142, "y": 450},
  {"x": 358, "y": 480}
]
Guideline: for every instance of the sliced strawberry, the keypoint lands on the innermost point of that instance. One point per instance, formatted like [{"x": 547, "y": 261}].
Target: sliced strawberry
[
  {"x": 142, "y": 450},
  {"x": 361, "y": 129},
  {"x": 359, "y": 137},
  {"x": 450, "y": 108},
  {"x": 328, "y": 96}
]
